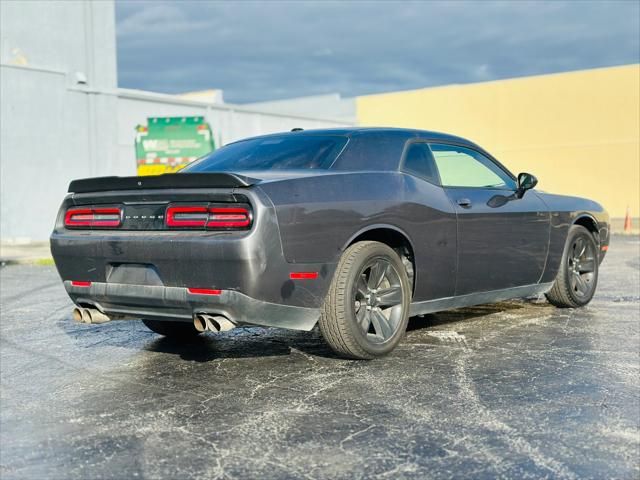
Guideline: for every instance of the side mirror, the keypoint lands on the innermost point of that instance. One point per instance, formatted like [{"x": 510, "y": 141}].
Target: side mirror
[{"x": 526, "y": 181}]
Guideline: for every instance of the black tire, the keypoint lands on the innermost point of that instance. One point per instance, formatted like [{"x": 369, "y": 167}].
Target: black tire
[
  {"x": 351, "y": 321},
  {"x": 577, "y": 277},
  {"x": 172, "y": 329}
]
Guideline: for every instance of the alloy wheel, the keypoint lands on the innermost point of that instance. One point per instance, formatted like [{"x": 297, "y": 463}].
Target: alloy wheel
[
  {"x": 378, "y": 300},
  {"x": 582, "y": 267}
]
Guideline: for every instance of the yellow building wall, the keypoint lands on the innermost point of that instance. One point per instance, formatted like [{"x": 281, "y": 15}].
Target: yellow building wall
[{"x": 578, "y": 132}]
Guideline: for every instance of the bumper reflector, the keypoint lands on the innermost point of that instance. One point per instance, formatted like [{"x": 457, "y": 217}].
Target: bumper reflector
[
  {"x": 203, "y": 291},
  {"x": 303, "y": 275},
  {"x": 76, "y": 283}
]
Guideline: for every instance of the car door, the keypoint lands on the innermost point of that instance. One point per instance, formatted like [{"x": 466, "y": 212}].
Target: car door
[
  {"x": 432, "y": 227},
  {"x": 502, "y": 240}
]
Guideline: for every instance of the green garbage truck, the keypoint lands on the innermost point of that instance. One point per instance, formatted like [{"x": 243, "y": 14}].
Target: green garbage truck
[{"x": 167, "y": 144}]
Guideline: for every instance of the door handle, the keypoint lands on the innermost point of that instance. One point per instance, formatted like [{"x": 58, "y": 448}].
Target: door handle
[{"x": 464, "y": 202}]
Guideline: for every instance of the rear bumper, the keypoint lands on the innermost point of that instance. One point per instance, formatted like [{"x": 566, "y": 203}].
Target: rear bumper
[
  {"x": 248, "y": 263},
  {"x": 176, "y": 303}
]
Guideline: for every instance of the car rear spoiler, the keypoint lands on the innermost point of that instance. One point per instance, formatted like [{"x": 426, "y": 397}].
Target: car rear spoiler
[{"x": 171, "y": 180}]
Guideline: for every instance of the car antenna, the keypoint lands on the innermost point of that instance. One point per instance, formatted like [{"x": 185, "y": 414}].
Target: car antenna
[{"x": 297, "y": 129}]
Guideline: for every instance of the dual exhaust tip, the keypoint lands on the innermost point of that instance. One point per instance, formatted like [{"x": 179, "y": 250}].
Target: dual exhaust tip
[
  {"x": 89, "y": 315},
  {"x": 202, "y": 322},
  {"x": 212, "y": 323}
]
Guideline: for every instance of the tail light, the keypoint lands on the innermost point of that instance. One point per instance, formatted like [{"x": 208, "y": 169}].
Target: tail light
[
  {"x": 211, "y": 217},
  {"x": 186, "y": 217},
  {"x": 93, "y": 217},
  {"x": 236, "y": 217}
]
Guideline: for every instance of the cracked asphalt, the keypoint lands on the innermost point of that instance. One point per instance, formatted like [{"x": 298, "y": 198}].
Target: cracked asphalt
[{"x": 516, "y": 390}]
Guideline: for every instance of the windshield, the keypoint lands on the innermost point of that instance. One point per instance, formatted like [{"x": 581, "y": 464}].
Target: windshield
[{"x": 286, "y": 152}]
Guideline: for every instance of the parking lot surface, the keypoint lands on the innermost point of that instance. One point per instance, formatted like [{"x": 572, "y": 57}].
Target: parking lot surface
[{"x": 518, "y": 389}]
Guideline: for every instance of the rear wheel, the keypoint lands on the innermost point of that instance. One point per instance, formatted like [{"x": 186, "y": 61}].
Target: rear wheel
[
  {"x": 578, "y": 275},
  {"x": 172, "y": 329},
  {"x": 366, "y": 310}
]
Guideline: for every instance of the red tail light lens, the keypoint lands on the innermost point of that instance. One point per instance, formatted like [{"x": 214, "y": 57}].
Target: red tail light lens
[
  {"x": 187, "y": 217},
  {"x": 209, "y": 217},
  {"x": 224, "y": 217},
  {"x": 92, "y": 217}
]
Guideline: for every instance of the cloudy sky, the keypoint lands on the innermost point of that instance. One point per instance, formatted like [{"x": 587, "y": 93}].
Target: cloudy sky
[{"x": 269, "y": 50}]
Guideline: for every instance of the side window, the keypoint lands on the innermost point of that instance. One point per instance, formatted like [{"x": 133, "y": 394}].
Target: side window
[
  {"x": 463, "y": 167},
  {"x": 419, "y": 161}
]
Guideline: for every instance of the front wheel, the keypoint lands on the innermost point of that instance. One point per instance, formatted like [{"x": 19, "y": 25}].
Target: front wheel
[
  {"x": 366, "y": 310},
  {"x": 578, "y": 275}
]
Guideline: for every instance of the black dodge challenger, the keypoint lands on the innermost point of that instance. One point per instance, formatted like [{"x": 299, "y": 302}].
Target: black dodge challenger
[{"x": 354, "y": 229}]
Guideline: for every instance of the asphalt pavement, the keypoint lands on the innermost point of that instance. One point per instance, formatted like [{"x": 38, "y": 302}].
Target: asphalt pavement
[{"x": 515, "y": 390}]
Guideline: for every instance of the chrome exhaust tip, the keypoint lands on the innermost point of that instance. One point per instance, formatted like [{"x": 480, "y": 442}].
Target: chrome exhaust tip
[
  {"x": 86, "y": 316},
  {"x": 89, "y": 315},
  {"x": 223, "y": 323},
  {"x": 77, "y": 314},
  {"x": 199, "y": 323},
  {"x": 96, "y": 316},
  {"x": 212, "y": 323}
]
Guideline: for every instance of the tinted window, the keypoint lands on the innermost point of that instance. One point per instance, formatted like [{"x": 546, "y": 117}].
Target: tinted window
[
  {"x": 372, "y": 151},
  {"x": 285, "y": 152},
  {"x": 463, "y": 167},
  {"x": 419, "y": 161}
]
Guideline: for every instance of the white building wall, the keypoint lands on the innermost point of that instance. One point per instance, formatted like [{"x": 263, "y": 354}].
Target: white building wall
[{"x": 52, "y": 129}]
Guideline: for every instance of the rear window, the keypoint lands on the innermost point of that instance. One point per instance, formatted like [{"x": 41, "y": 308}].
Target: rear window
[{"x": 286, "y": 152}]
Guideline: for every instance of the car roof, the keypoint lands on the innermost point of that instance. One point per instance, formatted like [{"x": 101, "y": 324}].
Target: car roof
[{"x": 377, "y": 131}]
